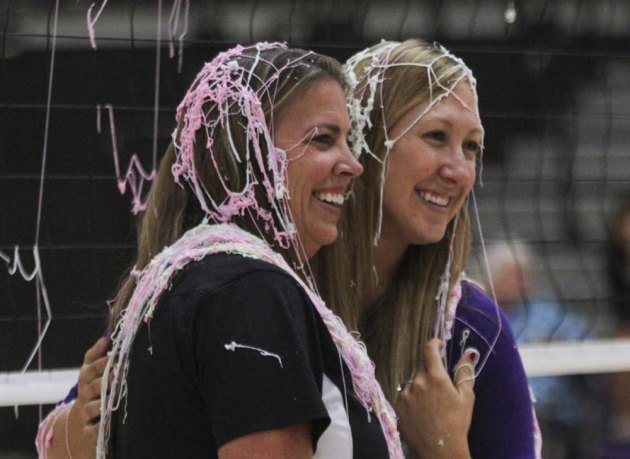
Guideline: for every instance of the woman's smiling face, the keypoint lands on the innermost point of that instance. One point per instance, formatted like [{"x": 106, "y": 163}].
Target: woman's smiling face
[
  {"x": 431, "y": 168},
  {"x": 313, "y": 130}
]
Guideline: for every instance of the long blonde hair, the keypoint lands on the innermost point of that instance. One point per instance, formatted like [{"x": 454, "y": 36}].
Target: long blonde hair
[
  {"x": 391, "y": 79},
  {"x": 275, "y": 74}
]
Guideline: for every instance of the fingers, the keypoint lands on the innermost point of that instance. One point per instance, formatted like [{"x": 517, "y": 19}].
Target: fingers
[
  {"x": 98, "y": 350},
  {"x": 90, "y": 378},
  {"x": 430, "y": 371},
  {"x": 91, "y": 406},
  {"x": 94, "y": 361},
  {"x": 464, "y": 372},
  {"x": 91, "y": 412},
  {"x": 90, "y": 431},
  {"x": 431, "y": 390},
  {"x": 93, "y": 389},
  {"x": 92, "y": 370},
  {"x": 432, "y": 359}
]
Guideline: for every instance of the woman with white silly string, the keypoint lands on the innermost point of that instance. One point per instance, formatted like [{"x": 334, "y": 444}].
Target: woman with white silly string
[{"x": 417, "y": 129}]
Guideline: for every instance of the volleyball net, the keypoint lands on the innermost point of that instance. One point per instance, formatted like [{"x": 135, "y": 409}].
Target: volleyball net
[{"x": 540, "y": 359}]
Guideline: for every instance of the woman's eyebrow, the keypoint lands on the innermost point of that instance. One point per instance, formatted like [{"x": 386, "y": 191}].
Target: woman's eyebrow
[
  {"x": 332, "y": 127},
  {"x": 449, "y": 123}
]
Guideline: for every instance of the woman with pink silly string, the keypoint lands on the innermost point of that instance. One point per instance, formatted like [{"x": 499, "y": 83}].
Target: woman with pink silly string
[
  {"x": 405, "y": 239},
  {"x": 220, "y": 345}
]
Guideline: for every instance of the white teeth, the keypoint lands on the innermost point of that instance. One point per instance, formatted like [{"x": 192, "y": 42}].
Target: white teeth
[
  {"x": 440, "y": 201},
  {"x": 330, "y": 198}
]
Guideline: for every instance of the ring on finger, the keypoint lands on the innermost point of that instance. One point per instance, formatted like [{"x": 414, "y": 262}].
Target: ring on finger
[
  {"x": 402, "y": 385},
  {"x": 465, "y": 365}
]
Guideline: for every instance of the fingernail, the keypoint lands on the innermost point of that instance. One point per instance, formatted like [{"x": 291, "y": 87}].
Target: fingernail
[{"x": 472, "y": 354}]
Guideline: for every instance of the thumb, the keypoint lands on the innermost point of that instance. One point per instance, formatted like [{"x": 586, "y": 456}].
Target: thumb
[{"x": 464, "y": 373}]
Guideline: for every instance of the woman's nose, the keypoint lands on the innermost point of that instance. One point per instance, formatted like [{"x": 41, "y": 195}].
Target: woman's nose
[
  {"x": 348, "y": 164},
  {"x": 457, "y": 166}
]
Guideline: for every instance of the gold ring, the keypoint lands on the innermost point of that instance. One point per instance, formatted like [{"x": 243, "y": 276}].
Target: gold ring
[{"x": 462, "y": 365}]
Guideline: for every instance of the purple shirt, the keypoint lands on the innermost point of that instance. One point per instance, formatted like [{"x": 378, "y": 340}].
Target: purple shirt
[{"x": 504, "y": 423}]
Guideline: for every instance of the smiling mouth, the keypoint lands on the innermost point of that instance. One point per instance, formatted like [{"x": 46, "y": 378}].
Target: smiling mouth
[
  {"x": 434, "y": 199},
  {"x": 331, "y": 198}
]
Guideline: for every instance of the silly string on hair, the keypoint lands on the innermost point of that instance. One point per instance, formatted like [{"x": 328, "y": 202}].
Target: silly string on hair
[
  {"x": 219, "y": 92},
  {"x": 222, "y": 95},
  {"x": 367, "y": 74}
]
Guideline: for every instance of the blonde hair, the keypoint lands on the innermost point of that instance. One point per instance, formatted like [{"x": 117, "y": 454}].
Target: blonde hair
[
  {"x": 218, "y": 167},
  {"x": 390, "y": 79}
]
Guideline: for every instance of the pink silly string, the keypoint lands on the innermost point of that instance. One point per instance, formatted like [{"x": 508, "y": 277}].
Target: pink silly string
[
  {"x": 454, "y": 297},
  {"x": 220, "y": 90},
  {"x": 91, "y": 20},
  {"x": 135, "y": 175},
  {"x": 46, "y": 430},
  {"x": 194, "y": 245},
  {"x": 156, "y": 88},
  {"x": 173, "y": 25},
  {"x": 442, "y": 313}
]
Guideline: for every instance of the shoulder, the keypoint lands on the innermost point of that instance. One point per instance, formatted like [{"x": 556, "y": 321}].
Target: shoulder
[
  {"x": 215, "y": 272},
  {"x": 480, "y": 323},
  {"x": 480, "y": 312},
  {"x": 233, "y": 288}
]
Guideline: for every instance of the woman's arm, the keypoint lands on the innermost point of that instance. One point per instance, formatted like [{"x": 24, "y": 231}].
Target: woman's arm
[
  {"x": 293, "y": 442},
  {"x": 71, "y": 430}
]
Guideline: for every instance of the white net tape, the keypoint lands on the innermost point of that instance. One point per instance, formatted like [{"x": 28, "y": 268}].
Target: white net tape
[{"x": 540, "y": 359}]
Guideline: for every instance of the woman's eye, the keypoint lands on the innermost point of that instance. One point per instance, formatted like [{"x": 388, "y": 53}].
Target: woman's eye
[
  {"x": 438, "y": 136},
  {"x": 473, "y": 147},
  {"x": 323, "y": 139}
]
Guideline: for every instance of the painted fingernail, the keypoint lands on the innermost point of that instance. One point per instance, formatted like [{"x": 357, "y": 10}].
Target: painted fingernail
[{"x": 472, "y": 354}]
